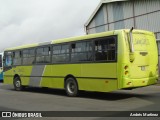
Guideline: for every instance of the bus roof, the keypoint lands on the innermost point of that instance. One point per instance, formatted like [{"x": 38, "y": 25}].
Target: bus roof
[{"x": 84, "y": 37}]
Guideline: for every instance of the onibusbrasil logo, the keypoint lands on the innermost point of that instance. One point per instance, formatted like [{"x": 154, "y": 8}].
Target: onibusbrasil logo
[{"x": 21, "y": 114}]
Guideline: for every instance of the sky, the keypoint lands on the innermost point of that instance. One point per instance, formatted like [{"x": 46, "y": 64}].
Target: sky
[{"x": 33, "y": 21}]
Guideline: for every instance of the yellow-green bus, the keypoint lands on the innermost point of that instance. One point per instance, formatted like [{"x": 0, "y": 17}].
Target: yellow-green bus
[{"x": 103, "y": 62}]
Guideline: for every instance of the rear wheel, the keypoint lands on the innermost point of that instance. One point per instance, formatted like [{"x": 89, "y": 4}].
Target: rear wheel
[
  {"x": 71, "y": 87},
  {"x": 17, "y": 84}
]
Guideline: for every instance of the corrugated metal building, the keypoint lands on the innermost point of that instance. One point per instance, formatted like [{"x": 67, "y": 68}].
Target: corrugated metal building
[{"x": 119, "y": 14}]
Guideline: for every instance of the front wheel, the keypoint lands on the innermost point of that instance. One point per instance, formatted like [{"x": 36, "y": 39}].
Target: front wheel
[
  {"x": 17, "y": 84},
  {"x": 71, "y": 87}
]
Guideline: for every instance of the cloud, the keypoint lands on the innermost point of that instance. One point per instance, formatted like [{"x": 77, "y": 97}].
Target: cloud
[{"x": 32, "y": 21}]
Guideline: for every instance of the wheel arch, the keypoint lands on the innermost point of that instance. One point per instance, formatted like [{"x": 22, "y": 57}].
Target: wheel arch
[
  {"x": 16, "y": 75},
  {"x": 17, "y": 78},
  {"x": 72, "y": 76}
]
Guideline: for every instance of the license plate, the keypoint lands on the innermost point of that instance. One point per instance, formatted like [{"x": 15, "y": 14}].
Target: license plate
[{"x": 143, "y": 68}]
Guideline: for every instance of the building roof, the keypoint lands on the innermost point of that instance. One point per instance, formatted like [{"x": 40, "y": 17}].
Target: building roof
[{"x": 98, "y": 7}]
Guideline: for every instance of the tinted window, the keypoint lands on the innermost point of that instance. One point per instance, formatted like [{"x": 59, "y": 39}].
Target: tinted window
[
  {"x": 28, "y": 56},
  {"x": 43, "y": 55},
  {"x": 8, "y": 59},
  {"x": 17, "y": 58},
  {"x": 25, "y": 53},
  {"x": 105, "y": 49},
  {"x": 0, "y": 60},
  {"x": 60, "y": 53},
  {"x": 81, "y": 51}
]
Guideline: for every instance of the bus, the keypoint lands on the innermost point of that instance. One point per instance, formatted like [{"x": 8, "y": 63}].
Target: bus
[
  {"x": 101, "y": 62},
  {"x": 1, "y": 67}
]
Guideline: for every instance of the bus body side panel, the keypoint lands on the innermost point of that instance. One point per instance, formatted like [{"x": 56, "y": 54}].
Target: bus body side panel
[
  {"x": 91, "y": 77},
  {"x": 55, "y": 74},
  {"x": 100, "y": 77},
  {"x": 8, "y": 77},
  {"x": 24, "y": 72}
]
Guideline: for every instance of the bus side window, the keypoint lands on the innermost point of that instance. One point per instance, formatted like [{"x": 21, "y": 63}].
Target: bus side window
[
  {"x": 28, "y": 56},
  {"x": 60, "y": 53},
  {"x": 43, "y": 55},
  {"x": 17, "y": 58},
  {"x": 105, "y": 49},
  {"x": 0, "y": 60},
  {"x": 111, "y": 50},
  {"x": 8, "y": 59},
  {"x": 81, "y": 51},
  {"x": 101, "y": 50}
]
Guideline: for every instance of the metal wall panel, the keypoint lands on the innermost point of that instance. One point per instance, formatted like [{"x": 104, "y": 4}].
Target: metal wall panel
[
  {"x": 146, "y": 6},
  {"x": 111, "y": 26},
  {"x": 158, "y": 43},
  {"x": 118, "y": 11},
  {"x": 127, "y": 9},
  {"x": 129, "y": 23},
  {"x": 105, "y": 13},
  {"x": 140, "y": 7},
  {"x": 122, "y": 10},
  {"x": 110, "y": 12},
  {"x": 106, "y": 28},
  {"x": 158, "y": 36},
  {"x": 154, "y": 22},
  {"x": 142, "y": 22},
  {"x": 91, "y": 31},
  {"x": 92, "y": 24},
  {"x": 99, "y": 18},
  {"x": 119, "y": 25},
  {"x": 152, "y": 5},
  {"x": 100, "y": 29}
]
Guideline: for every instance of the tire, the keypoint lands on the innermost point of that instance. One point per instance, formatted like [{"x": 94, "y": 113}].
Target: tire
[
  {"x": 17, "y": 84},
  {"x": 71, "y": 87}
]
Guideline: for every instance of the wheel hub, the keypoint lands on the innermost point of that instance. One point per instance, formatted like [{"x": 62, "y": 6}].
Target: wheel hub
[{"x": 18, "y": 83}]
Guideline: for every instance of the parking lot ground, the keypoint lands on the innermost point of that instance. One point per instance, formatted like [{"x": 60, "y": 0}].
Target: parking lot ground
[{"x": 40, "y": 99}]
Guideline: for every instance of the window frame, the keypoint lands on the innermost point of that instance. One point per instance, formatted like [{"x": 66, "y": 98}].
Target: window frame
[
  {"x": 1, "y": 60},
  {"x": 60, "y": 44},
  {"x": 92, "y": 40},
  {"x": 116, "y": 48},
  {"x": 13, "y": 57},
  {"x": 43, "y": 46},
  {"x": 4, "y": 58},
  {"x": 115, "y": 37},
  {"x": 80, "y": 41},
  {"x": 34, "y": 48}
]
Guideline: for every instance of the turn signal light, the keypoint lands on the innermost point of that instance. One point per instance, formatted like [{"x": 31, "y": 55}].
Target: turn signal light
[
  {"x": 126, "y": 72},
  {"x": 126, "y": 67},
  {"x": 129, "y": 83}
]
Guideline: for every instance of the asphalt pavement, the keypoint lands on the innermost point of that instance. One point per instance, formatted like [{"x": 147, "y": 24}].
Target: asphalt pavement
[{"x": 42, "y": 99}]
